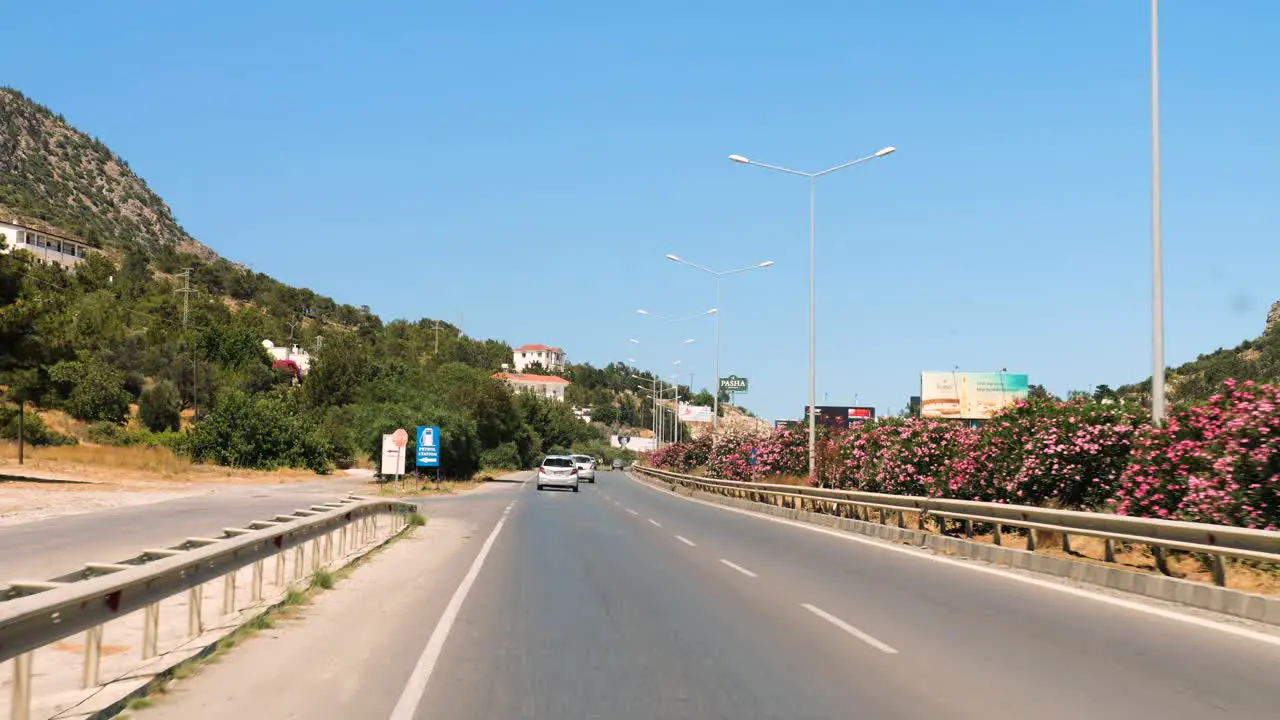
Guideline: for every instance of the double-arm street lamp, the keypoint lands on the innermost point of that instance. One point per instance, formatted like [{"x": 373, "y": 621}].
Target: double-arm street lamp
[
  {"x": 715, "y": 410},
  {"x": 813, "y": 177}
]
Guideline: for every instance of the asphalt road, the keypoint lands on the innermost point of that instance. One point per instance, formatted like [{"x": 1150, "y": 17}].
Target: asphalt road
[
  {"x": 622, "y": 602},
  {"x": 43, "y": 549}
]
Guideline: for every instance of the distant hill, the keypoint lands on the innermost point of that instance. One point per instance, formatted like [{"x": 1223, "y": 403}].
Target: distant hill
[
  {"x": 1257, "y": 360},
  {"x": 52, "y": 174}
]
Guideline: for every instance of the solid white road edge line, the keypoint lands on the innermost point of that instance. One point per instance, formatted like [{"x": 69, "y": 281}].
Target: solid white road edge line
[
  {"x": 849, "y": 629},
  {"x": 974, "y": 566},
  {"x": 655, "y": 523},
  {"x": 686, "y": 541},
  {"x": 633, "y": 512},
  {"x": 739, "y": 568},
  {"x": 407, "y": 707}
]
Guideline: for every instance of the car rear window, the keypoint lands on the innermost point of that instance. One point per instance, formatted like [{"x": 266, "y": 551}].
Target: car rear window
[
  {"x": 557, "y": 462},
  {"x": 583, "y": 458}
]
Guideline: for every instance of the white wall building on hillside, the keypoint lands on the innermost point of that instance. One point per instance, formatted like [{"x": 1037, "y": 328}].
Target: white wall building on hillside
[
  {"x": 299, "y": 356},
  {"x": 545, "y": 385},
  {"x": 46, "y": 246},
  {"x": 551, "y": 358}
]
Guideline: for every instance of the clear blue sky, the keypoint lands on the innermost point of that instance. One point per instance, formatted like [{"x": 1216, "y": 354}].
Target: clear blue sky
[{"x": 527, "y": 166}]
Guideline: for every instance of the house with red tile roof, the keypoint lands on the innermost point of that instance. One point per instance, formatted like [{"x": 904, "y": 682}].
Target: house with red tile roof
[
  {"x": 551, "y": 358},
  {"x": 545, "y": 385}
]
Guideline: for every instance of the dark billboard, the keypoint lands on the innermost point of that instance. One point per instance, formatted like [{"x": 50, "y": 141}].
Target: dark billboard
[{"x": 842, "y": 415}]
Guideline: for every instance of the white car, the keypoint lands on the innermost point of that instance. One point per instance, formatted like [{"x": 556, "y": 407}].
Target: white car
[
  {"x": 558, "y": 471},
  {"x": 586, "y": 467}
]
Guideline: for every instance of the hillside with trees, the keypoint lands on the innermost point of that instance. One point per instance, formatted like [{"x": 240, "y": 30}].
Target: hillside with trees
[
  {"x": 158, "y": 341},
  {"x": 1257, "y": 360}
]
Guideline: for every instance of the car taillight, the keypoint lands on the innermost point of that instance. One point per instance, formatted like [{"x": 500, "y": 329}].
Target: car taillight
[{"x": 574, "y": 471}]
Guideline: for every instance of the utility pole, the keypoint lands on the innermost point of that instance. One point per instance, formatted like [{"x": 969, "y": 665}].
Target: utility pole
[
  {"x": 186, "y": 291},
  {"x": 22, "y": 410}
]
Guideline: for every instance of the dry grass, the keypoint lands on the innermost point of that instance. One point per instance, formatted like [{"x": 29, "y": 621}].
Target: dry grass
[
  {"x": 410, "y": 488},
  {"x": 795, "y": 480},
  {"x": 131, "y": 464}
]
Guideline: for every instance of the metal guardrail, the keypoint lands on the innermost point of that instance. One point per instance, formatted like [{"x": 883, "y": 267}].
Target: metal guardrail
[
  {"x": 1216, "y": 541},
  {"x": 37, "y": 613}
]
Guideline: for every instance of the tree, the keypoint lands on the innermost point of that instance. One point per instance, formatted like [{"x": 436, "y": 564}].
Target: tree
[
  {"x": 91, "y": 390},
  {"x": 160, "y": 407},
  {"x": 338, "y": 372}
]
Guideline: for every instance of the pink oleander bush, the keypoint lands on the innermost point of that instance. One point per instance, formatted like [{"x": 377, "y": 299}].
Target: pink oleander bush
[
  {"x": 783, "y": 452},
  {"x": 903, "y": 456},
  {"x": 731, "y": 456},
  {"x": 1046, "y": 452},
  {"x": 1214, "y": 463}
]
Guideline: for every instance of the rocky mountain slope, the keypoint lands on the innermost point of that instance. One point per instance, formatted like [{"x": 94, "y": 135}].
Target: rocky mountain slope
[{"x": 52, "y": 175}]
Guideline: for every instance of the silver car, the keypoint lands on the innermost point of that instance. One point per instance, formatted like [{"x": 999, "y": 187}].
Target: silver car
[
  {"x": 586, "y": 468},
  {"x": 558, "y": 471}
]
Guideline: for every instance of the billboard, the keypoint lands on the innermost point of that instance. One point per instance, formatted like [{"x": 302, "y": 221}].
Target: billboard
[
  {"x": 695, "y": 413},
  {"x": 785, "y": 424},
  {"x": 734, "y": 384},
  {"x": 842, "y": 415},
  {"x": 969, "y": 396}
]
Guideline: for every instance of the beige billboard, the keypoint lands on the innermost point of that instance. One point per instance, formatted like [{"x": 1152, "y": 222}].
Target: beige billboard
[{"x": 969, "y": 396}]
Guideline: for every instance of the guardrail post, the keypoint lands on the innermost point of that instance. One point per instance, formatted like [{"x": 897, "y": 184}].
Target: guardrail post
[
  {"x": 1219, "y": 568},
  {"x": 968, "y": 528},
  {"x": 342, "y": 540},
  {"x": 920, "y": 524},
  {"x": 902, "y": 519},
  {"x": 195, "y": 618},
  {"x": 280, "y": 569},
  {"x": 1162, "y": 563},
  {"x": 1031, "y": 540},
  {"x": 92, "y": 656},
  {"x": 255, "y": 590},
  {"x": 315, "y": 554},
  {"x": 328, "y": 546},
  {"x": 229, "y": 593},
  {"x": 1066, "y": 543},
  {"x": 1108, "y": 550},
  {"x": 298, "y": 556},
  {"x": 21, "y": 701},
  {"x": 150, "y": 630},
  {"x": 997, "y": 536}
]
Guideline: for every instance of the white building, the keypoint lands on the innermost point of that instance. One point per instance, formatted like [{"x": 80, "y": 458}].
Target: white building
[
  {"x": 551, "y": 358},
  {"x": 46, "y": 246},
  {"x": 544, "y": 385},
  {"x": 300, "y": 357}
]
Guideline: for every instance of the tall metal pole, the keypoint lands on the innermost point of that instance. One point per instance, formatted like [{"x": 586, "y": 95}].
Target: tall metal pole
[
  {"x": 813, "y": 420},
  {"x": 1157, "y": 252},
  {"x": 22, "y": 410},
  {"x": 715, "y": 403}
]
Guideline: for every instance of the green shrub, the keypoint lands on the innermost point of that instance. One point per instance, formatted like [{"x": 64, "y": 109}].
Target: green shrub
[
  {"x": 160, "y": 407},
  {"x": 263, "y": 434},
  {"x": 34, "y": 431},
  {"x": 91, "y": 390},
  {"x": 505, "y": 456}
]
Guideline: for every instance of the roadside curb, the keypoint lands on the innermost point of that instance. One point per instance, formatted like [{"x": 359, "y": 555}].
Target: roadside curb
[
  {"x": 146, "y": 681},
  {"x": 1237, "y": 603}
]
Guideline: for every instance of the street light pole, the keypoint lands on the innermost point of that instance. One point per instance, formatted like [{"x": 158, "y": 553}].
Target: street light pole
[
  {"x": 1157, "y": 250},
  {"x": 813, "y": 177},
  {"x": 715, "y": 402}
]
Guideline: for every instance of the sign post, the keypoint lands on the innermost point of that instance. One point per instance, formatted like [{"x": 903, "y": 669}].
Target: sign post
[
  {"x": 733, "y": 385},
  {"x": 428, "y": 452},
  {"x": 393, "y": 445}
]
